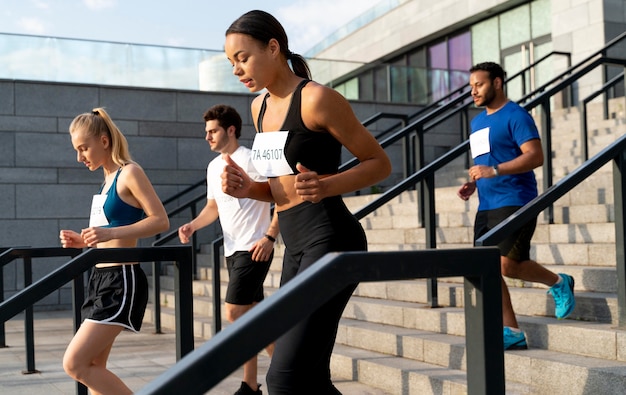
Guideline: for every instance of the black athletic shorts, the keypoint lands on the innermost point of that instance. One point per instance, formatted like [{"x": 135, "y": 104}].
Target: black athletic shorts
[
  {"x": 117, "y": 295},
  {"x": 245, "y": 278},
  {"x": 516, "y": 245}
]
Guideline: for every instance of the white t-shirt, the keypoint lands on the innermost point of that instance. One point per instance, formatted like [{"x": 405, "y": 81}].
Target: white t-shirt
[{"x": 244, "y": 221}]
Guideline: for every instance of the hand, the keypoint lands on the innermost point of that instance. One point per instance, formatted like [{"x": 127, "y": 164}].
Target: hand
[
  {"x": 235, "y": 181},
  {"x": 466, "y": 190},
  {"x": 185, "y": 232},
  {"x": 308, "y": 185},
  {"x": 262, "y": 249},
  {"x": 71, "y": 239},
  {"x": 481, "y": 171},
  {"x": 94, "y": 235}
]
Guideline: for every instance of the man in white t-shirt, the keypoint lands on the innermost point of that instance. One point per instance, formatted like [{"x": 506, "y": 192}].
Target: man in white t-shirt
[{"x": 248, "y": 227}]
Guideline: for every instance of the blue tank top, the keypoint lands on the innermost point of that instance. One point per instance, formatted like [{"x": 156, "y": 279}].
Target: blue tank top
[
  {"x": 317, "y": 151},
  {"x": 117, "y": 211}
]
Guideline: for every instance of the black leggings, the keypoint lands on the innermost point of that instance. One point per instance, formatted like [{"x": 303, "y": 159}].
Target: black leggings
[{"x": 301, "y": 360}]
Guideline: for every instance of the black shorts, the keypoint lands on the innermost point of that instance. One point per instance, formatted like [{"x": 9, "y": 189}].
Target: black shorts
[
  {"x": 117, "y": 295},
  {"x": 516, "y": 245},
  {"x": 245, "y": 278}
]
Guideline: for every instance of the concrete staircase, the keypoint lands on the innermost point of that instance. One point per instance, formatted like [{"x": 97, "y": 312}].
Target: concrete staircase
[{"x": 389, "y": 339}]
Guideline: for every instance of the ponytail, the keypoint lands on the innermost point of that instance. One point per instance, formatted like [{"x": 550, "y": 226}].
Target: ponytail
[{"x": 98, "y": 123}]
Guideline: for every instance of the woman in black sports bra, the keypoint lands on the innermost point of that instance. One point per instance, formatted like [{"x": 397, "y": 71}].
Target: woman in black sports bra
[
  {"x": 126, "y": 208},
  {"x": 302, "y": 126}
]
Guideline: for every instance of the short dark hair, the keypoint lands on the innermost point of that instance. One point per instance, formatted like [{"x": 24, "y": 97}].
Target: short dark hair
[
  {"x": 226, "y": 116},
  {"x": 494, "y": 70}
]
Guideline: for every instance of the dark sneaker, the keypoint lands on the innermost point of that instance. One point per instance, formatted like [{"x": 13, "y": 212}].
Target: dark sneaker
[
  {"x": 246, "y": 390},
  {"x": 514, "y": 340},
  {"x": 563, "y": 294}
]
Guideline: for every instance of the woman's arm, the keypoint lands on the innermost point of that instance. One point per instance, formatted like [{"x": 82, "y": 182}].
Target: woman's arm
[{"x": 325, "y": 109}]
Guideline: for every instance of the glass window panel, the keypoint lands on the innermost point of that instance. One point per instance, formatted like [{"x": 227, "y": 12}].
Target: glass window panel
[
  {"x": 515, "y": 27},
  {"x": 512, "y": 64},
  {"x": 349, "y": 89},
  {"x": 541, "y": 22},
  {"x": 460, "y": 52},
  {"x": 439, "y": 84},
  {"x": 399, "y": 86},
  {"x": 366, "y": 86},
  {"x": 381, "y": 84},
  {"x": 438, "y": 56},
  {"x": 485, "y": 42},
  {"x": 418, "y": 85},
  {"x": 418, "y": 58},
  {"x": 458, "y": 79},
  {"x": 543, "y": 71}
]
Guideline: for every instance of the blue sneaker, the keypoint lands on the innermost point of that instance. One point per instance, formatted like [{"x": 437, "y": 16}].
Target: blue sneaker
[
  {"x": 514, "y": 340},
  {"x": 563, "y": 294}
]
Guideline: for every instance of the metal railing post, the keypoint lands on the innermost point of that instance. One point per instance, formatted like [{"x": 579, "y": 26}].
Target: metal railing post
[
  {"x": 546, "y": 127},
  {"x": 183, "y": 295},
  {"x": 156, "y": 290},
  {"x": 3, "y": 340},
  {"x": 29, "y": 332},
  {"x": 483, "y": 335},
  {"x": 78, "y": 297},
  {"x": 430, "y": 224},
  {"x": 619, "y": 189},
  {"x": 216, "y": 281}
]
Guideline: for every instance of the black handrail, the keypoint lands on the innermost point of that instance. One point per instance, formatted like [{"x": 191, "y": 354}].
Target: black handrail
[
  {"x": 183, "y": 192},
  {"x": 7, "y": 256},
  {"x": 543, "y": 101},
  {"x": 616, "y": 152},
  {"x": 217, "y": 358},
  {"x": 584, "y": 127},
  {"x": 75, "y": 268}
]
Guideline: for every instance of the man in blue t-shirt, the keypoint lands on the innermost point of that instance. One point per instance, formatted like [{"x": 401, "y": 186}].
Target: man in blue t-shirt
[{"x": 506, "y": 148}]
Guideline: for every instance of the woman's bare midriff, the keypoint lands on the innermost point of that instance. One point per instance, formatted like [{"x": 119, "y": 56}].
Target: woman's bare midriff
[
  {"x": 117, "y": 243},
  {"x": 284, "y": 191}
]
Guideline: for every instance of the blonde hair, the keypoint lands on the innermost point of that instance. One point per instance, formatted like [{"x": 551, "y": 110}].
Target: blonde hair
[{"x": 98, "y": 123}]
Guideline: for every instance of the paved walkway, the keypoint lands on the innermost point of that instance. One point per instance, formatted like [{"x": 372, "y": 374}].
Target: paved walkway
[{"x": 136, "y": 358}]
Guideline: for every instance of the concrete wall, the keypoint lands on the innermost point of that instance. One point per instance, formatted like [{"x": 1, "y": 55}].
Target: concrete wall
[{"x": 44, "y": 189}]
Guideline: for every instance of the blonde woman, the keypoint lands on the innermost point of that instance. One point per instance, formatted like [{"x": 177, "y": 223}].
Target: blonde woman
[{"x": 125, "y": 209}]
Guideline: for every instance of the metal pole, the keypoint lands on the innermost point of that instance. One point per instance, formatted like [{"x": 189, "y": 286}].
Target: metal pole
[
  {"x": 184, "y": 308},
  {"x": 619, "y": 189},
  {"x": 28, "y": 321},
  {"x": 217, "y": 297},
  {"x": 483, "y": 334},
  {"x": 156, "y": 289},
  {"x": 78, "y": 297},
  {"x": 3, "y": 341},
  {"x": 431, "y": 235}
]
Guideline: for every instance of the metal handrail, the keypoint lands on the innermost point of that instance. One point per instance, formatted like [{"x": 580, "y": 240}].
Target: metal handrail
[
  {"x": 584, "y": 127},
  {"x": 9, "y": 255},
  {"x": 224, "y": 353},
  {"x": 616, "y": 152},
  {"x": 183, "y": 192},
  {"x": 76, "y": 267}
]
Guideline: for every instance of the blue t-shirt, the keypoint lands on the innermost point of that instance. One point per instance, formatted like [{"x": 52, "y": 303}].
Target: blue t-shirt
[{"x": 496, "y": 138}]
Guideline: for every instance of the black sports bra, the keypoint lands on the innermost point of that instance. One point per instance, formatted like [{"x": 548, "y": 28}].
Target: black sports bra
[{"x": 317, "y": 151}]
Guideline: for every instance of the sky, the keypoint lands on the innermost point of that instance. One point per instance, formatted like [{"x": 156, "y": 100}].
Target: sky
[{"x": 181, "y": 23}]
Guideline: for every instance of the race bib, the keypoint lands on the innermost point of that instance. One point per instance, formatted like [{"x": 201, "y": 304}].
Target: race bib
[
  {"x": 479, "y": 142},
  {"x": 268, "y": 154},
  {"x": 97, "y": 217}
]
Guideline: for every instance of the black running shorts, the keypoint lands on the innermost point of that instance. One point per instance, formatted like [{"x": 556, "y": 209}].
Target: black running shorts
[
  {"x": 117, "y": 295},
  {"x": 516, "y": 245},
  {"x": 245, "y": 278}
]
